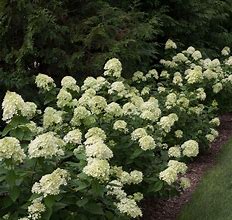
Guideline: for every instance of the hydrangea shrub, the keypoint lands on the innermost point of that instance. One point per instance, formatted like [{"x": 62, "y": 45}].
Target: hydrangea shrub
[{"x": 94, "y": 150}]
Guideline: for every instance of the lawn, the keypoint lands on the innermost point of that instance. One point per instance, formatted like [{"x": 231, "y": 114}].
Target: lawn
[{"x": 213, "y": 198}]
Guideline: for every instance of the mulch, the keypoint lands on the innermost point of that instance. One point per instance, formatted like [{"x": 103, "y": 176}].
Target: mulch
[{"x": 169, "y": 209}]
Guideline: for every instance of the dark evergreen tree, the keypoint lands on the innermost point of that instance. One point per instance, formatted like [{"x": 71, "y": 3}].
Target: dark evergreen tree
[{"x": 71, "y": 37}]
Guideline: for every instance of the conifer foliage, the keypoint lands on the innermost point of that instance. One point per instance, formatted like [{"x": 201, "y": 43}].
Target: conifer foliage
[{"x": 59, "y": 37}]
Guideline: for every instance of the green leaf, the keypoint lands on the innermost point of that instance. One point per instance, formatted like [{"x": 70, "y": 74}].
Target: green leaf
[
  {"x": 11, "y": 178},
  {"x": 94, "y": 208},
  {"x": 14, "y": 193},
  {"x": 14, "y": 123},
  {"x": 81, "y": 185},
  {"x": 17, "y": 133},
  {"x": 49, "y": 202},
  {"x": 82, "y": 202},
  {"x": 6, "y": 202},
  {"x": 98, "y": 190},
  {"x": 156, "y": 187},
  {"x": 7, "y": 129},
  {"x": 136, "y": 153}
]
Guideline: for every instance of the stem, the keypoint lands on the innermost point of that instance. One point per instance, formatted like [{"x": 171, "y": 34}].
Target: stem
[{"x": 33, "y": 173}]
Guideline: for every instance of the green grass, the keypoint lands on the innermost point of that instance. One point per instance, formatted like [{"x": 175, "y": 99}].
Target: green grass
[{"x": 212, "y": 199}]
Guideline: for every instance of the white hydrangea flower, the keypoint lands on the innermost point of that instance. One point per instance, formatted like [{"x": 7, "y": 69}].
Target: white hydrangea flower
[
  {"x": 10, "y": 149},
  {"x": 183, "y": 102},
  {"x": 6, "y": 216},
  {"x": 170, "y": 100},
  {"x": 152, "y": 73},
  {"x": 137, "y": 100},
  {"x": 190, "y": 148},
  {"x": 210, "y": 137},
  {"x": 114, "y": 109},
  {"x": 29, "y": 109},
  {"x": 95, "y": 131},
  {"x": 195, "y": 75},
  {"x": 168, "y": 64},
  {"x": 174, "y": 152},
  {"x": 145, "y": 90},
  {"x": 138, "y": 196},
  {"x": 50, "y": 184},
  {"x": 138, "y": 133},
  {"x": 79, "y": 114},
  {"x": 170, "y": 45},
  {"x": 206, "y": 63},
  {"x": 151, "y": 115},
  {"x": 217, "y": 87},
  {"x": 73, "y": 137},
  {"x": 180, "y": 57},
  {"x": 190, "y": 50},
  {"x": 225, "y": 51},
  {"x": 44, "y": 82},
  {"x": 229, "y": 79},
  {"x": 201, "y": 95},
  {"x": 185, "y": 182},
  {"x": 173, "y": 116},
  {"x": 129, "y": 207},
  {"x": 120, "y": 125},
  {"x": 177, "y": 79},
  {"x": 229, "y": 61},
  {"x": 124, "y": 177},
  {"x": 178, "y": 166},
  {"x": 179, "y": 133},
  {"x": 114, "y": 188},
  {"x": 11, "y": 105},
  {"x": 97, "y": 104},
  {"x": 36, "y": 209},
  {"x": 138, "y": 76},
  {"x": 210, "y": 74},
  {"x": 113, "y": 67},
  {"x": 215, "y": 121},
  {"x": 90, "y": 83},
  {"x": 102, "y": 81},
  {"x": 94, "y": 84},
  {"x": 132, "y": 92},
  {"x": 117, "y": 87},
  {"x": 161, "y": 89},
  {"x": 214, "y": 132},
  {"x": 130, "y": 109},
  {"x": 147, "y": 142},
  {"x": 196, "y": 55},
  {"x": 51, "y": 117},
  {"x": 64, "y": 98},
  {"x": 68, "y": 82},
  {"x": 97, "y": 168},
  {"x": 86, "y": 97},
  {"x": 136, "y": 176},
  {"x": 169, "y": 175},
  {"x": 166, "y": 122},
  {"x": 98, "y": 150},
  {"x": 165, "y": 74},
  {"x": 214, "y": 64},
  {"x": 46, "y": 145},
  {"x": 93, "y": 139},
  {"x": 152, "y": 104}
]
